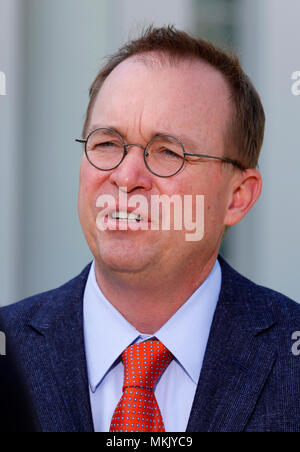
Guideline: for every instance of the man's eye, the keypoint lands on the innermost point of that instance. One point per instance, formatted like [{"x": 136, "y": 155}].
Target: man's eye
[
  {"x": 105, "y": 144},
  {"x": 168, "y": 153}
]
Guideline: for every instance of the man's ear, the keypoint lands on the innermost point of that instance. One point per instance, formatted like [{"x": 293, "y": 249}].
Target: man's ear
[{"x": 246, "y": 189}]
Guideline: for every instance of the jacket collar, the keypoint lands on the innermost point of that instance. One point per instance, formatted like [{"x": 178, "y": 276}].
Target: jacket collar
[
  {"x": 238, "y": 359},
  {"x": 57, "y": 361}
]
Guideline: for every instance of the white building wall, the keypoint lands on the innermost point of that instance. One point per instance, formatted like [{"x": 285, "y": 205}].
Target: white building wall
[
  {"x": 266, "y": 245},
  {"x": 11, "y": 135}
]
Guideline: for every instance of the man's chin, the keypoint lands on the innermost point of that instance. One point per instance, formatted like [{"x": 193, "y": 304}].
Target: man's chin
[
  {"x": 119, "y": 264},
  {"x": 125, "y": 256}
]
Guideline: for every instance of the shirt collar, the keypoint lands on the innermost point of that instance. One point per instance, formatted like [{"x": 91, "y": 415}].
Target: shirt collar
[{"x": 107, "y": 333}]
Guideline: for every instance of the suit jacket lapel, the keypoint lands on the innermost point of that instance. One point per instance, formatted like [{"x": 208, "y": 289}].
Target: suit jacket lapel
[
  {"x": 237, "y": 360},
  {"x": 58, "y": 376}
]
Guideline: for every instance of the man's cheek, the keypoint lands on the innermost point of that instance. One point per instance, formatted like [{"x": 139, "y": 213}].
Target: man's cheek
[{"x": 88, "y": 184}]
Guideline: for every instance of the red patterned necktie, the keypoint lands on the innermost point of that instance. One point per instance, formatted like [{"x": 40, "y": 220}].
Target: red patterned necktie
[{"x": 137, "y": 410}]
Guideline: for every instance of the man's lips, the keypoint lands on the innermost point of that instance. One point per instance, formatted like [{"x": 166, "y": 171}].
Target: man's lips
[
  {"x": 121, "y": 217},
  {"x": 124, "y": 214}
]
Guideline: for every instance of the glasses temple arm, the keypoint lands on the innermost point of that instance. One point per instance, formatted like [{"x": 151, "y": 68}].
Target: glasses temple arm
[{"x": 223, "y": 159}]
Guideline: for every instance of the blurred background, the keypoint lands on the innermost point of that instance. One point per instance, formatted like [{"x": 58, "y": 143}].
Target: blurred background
[{"x": 51, "y": 50}]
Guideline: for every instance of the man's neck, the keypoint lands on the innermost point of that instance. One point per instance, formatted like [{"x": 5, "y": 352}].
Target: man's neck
[{"x": 148, "y": 302}]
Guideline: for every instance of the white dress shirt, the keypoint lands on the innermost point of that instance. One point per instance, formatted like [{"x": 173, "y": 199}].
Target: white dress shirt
[{"x": 107, "y": 333}]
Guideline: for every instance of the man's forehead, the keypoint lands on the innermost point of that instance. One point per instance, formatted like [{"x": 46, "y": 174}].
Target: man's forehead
[
  {"x": 190, "y": 94},
  {"x": 187, "y": 73},
  {"x": 161, "y": 60}
]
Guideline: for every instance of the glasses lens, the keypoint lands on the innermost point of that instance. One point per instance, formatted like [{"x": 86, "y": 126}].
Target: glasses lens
[
  {"x": 165, "y": 155},
  {"x": 104, "y": 149}
]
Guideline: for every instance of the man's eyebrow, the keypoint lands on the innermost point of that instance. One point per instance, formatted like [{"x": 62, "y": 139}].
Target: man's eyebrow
[
  {"x": 186, "y": 140},
  {"x": 97, "y": 126}
]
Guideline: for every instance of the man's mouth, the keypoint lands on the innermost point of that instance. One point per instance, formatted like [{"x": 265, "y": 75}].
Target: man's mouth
[
  {"x": 121, "y": 220},
  {"x": 123, "y": 215}
]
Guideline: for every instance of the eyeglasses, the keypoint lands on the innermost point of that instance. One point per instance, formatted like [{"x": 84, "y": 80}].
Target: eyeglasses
[{"x": 164, "y": 155}]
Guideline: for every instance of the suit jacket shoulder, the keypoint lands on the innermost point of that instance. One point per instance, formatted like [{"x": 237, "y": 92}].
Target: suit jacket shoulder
[
  {"x": 259, "y": 306},
  {"x": 50, "y": 302},
  {"x": 234, "y": 284}
]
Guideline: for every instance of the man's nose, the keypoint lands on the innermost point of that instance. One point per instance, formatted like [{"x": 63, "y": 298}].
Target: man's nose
[{"x": 132, "y": 173}]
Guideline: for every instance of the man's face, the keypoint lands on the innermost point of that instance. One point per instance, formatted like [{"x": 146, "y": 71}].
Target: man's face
[{"x": 190, "y": 101}]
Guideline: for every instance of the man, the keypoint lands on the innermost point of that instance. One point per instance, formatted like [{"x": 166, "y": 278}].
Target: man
[{"x": 159, "y": 333}]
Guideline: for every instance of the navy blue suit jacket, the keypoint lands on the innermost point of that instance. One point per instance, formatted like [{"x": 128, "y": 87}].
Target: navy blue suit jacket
[{"x": 250, "y": 380}]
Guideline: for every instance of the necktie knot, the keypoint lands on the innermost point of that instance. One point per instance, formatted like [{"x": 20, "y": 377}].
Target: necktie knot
[
  {"x": 137, "y": 410},
  {"x": 144, "y": 364}
]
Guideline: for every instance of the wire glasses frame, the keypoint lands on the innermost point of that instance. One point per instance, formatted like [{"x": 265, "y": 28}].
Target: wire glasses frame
[{"x": 233, "y": 162}]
